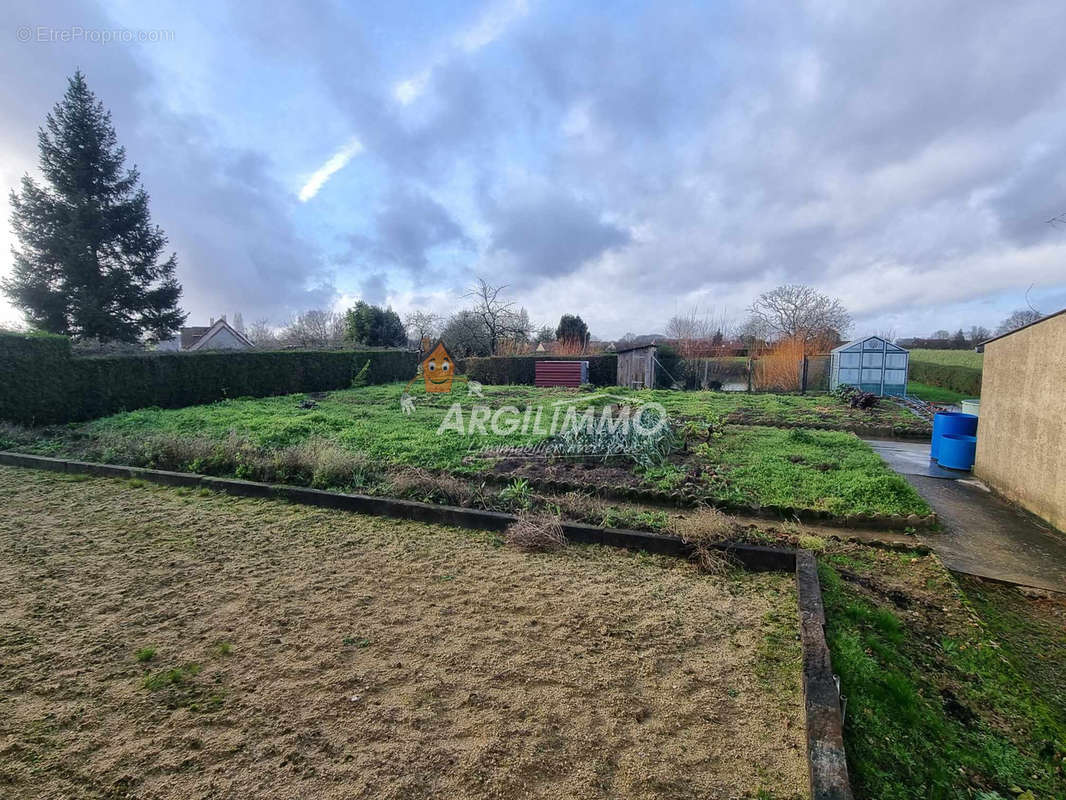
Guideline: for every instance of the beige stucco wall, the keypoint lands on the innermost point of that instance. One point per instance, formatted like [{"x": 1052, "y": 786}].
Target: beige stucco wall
[{"x": 1021, "y": 434}]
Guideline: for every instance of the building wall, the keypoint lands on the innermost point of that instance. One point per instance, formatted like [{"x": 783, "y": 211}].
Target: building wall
[{"x": 1021, "y": 433}]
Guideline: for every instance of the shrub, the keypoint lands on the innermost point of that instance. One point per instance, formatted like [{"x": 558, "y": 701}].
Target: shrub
[{"x": 361, "y": 378}]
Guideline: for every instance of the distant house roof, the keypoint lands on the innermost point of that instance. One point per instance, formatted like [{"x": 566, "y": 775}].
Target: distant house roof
[
  {"x": 981, "y": 345},
  {"x": 200, "y": 342},
  {"x": 190, "y": 336},
  {"x": 893, "y": 348}
]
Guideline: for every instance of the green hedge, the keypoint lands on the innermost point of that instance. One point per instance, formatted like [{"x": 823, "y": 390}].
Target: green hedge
[
  {"x": 34, "y": 377},
  {"x": 40, "y": 383},
  {"x": 965, "y": 380},
  {"x": 603, "y": 369}
]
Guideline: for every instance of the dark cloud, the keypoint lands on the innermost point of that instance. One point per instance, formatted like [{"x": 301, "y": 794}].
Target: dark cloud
[
  {"x": 551, "y": 234},
  {"x": 408, "y": 226}
]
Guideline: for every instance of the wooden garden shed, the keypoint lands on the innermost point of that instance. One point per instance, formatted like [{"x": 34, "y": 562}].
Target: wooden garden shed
[{"x": 636, "y": 366}]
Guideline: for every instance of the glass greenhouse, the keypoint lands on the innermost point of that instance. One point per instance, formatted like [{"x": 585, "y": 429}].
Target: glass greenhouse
[{"x": 872, "y": 364}]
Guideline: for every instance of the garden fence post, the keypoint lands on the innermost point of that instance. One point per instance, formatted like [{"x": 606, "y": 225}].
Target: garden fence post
[{"x": 803, "y": 378}]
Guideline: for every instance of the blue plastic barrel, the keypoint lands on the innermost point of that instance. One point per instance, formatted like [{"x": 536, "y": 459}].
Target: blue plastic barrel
[
  {"x": 957, "y": 451},
  {"x": 951, "y": 422}
]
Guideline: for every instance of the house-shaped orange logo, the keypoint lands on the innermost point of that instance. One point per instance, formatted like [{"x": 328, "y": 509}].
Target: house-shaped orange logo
[{"x": 438, "y": 369}]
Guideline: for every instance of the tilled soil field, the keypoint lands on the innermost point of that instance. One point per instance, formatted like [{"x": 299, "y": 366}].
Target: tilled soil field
[{"x": 160, "y": 642}]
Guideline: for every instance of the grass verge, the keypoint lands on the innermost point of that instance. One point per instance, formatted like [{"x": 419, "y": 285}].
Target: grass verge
[{"x": 948, "y": 696}]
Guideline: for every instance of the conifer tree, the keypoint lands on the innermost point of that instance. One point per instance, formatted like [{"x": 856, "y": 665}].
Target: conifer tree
[{"x": 89, "y": 265}]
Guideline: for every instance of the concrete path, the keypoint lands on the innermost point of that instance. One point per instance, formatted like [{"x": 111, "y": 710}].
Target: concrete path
[{"x": 981, "y": 534}]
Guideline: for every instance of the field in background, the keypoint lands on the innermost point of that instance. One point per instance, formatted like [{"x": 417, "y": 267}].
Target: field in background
[
  {"x": 164, "y": 642},
  {"x": 957, "y": 358}
]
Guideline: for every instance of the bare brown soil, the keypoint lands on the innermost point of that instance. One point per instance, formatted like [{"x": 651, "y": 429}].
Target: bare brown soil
[{"x": 309, "y": 653}]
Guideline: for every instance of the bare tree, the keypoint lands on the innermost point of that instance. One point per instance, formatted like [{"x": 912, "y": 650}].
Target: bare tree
[
  {"x": 1018, "y": 319},
  {"x": 978, "y": 333},
  {"x": 500, "y": 318},
  {"x": 800, "y": 312},
  {"x": 699, "y": 334},
  {"x": 314, "y": 329},
  {"x": 422, "y": 324},
  {"x": 261, "y": 334}
]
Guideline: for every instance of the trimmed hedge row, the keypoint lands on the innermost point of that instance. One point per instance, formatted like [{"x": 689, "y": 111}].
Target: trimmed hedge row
[
  {"x": 41, "y": 383},
  {"x": 498, "y": 370},
  {"x": 965, "y": 380}
]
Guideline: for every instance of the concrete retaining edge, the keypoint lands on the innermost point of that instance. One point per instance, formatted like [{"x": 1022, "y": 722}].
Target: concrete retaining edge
[
  {"x": 825, "y": 742},
  {"x": 825, "y": 725}
]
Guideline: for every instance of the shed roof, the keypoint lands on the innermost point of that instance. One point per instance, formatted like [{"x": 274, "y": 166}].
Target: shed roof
[
  {"x": 635, "y": 347},
  {"x": 858, "y": 343}
]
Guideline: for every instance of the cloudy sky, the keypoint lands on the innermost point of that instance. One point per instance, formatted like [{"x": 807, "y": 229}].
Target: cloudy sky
[{"x": 623, "y": 161}]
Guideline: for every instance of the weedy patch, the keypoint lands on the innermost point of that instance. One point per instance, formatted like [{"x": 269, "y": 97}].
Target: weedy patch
[
  {"x": 815, "y": 543},
  {"x": 704, "y": 524},
  {"x": 425, "y": 486},
  {"x": 145, "y": 654},
  {"x": 179, "y": 676},
  {"x": 536, "y": 534},
  {"x": 179, "y": 688},
  {"x": 517, "y": 494}
]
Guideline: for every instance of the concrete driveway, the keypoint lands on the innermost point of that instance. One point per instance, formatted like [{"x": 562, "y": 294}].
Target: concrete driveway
[{"x": 981, "y": 534}]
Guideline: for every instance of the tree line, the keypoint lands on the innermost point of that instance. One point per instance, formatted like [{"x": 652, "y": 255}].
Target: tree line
[{"x": 489, "y": 325}]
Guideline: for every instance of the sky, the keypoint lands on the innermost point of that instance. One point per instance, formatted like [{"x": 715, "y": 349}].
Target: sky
[{"x": 622, "y": 161}]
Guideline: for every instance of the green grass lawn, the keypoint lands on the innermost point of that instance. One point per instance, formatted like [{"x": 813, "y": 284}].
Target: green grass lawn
[
  {"x": 933, "y": 394},
  {"x": 954, "y": 688},
  {"x": 824, "y": 470},
  {"x": 349, "y": 439},
  {"x": 957, "y": 358},
  {"x": 815, "y": 411}
]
